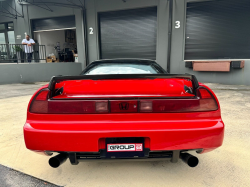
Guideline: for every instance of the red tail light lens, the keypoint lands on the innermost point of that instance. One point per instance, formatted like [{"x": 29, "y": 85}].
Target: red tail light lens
[
  {"x": 204, "y": 101},
  {"x": 70, "y": 107},
  {"x": 204, "y": 94},
  {"x": 207, "y": 101},
  {"x": 42, "y": 96},
  {"x": 175, "y": 105},
  {"x": 40, "y": 103}
]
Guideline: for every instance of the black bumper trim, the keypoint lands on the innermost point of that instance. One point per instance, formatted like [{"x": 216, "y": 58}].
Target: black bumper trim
[{"x": 173, "y": 156}]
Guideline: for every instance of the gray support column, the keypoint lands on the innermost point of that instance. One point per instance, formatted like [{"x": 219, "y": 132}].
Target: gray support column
[
  {"x": 162, "y": 33},
  {"x": 178, "y": 38},
  {"x": 21, "y": 25},
  {"x": 93, "y": 46},
  {"x": 80, "y": 37}
]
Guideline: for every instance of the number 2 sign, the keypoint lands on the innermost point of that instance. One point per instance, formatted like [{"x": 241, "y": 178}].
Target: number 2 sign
[{"x": 91, "y": 30}]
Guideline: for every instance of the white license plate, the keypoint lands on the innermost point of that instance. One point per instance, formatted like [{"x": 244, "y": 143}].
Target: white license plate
[{"x": 124, "y": 147}]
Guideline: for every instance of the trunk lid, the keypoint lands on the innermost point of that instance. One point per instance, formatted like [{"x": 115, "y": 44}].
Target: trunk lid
[{"x": 120, "y": 88}]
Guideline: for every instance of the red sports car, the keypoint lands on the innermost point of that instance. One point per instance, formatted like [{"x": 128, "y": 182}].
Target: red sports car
[{"x": 123, "y": 109}]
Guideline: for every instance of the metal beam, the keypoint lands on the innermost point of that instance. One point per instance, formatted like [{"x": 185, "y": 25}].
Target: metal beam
[
  {"x": 47, "y": 3},
  {"x": 8, "y": 16},
  {"x": 47, "y": 6},
  {"x": 41, "y": 7},
  {"x": 7, "y": 12},
  {"x": 14, "y": 10},
  {"x": 72, "y": 2},
  {"x": 82, "y": 3}
]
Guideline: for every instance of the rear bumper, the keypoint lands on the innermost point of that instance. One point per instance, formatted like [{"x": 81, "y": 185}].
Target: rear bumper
[{"x": 68, "y": 137}]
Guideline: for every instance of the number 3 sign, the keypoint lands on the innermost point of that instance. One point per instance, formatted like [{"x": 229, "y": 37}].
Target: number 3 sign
[{"x": 177, "y": 24}]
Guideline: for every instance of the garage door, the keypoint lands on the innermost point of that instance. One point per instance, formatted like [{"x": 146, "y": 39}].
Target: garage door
[
  {"x": 128, "y": 34},
  {"x": 218, "y": 30},
  {"x": 65, "y": 22}
]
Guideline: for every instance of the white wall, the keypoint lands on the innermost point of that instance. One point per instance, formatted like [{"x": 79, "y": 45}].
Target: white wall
[
  {"x": 35, "y": 72},
  {"x": 50, "y": 39}
]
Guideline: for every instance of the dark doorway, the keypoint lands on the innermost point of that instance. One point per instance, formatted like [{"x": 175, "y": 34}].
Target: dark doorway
[{"x": 128, "y": 33}]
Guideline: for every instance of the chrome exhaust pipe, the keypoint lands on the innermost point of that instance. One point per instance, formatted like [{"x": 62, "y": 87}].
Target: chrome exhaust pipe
[
  {"x": 190, "y": 160},
  {"x": 57, "y": 160}
]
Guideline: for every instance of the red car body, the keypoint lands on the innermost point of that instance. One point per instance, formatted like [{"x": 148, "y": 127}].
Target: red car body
[{"x": 173, "y": 120}]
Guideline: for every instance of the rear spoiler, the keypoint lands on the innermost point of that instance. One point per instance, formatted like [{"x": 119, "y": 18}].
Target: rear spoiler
[{"x": 57, "y": 79}]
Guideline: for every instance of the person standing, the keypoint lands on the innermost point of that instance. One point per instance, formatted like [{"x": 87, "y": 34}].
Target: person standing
[{"x": 28, "y": 42}]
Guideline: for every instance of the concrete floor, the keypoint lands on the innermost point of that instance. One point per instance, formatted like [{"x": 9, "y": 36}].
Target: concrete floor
[
  {"x": 227, "y": 166},
  {"x": 12, "y": 178}
]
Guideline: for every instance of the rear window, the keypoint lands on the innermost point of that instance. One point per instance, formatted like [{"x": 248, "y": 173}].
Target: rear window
[{"x": 103, "y": 69}]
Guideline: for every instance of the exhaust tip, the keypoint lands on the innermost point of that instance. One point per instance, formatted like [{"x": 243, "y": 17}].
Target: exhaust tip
[
  {"x": 54, "y": 162},
  {"x": 190, "y": 160},
  {"x": 193, "y": 161},
  {"x": 57, "y": 160}
]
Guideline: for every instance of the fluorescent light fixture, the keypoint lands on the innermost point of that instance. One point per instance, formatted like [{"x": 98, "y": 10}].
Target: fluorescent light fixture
[{"x": 55, "y": 29}]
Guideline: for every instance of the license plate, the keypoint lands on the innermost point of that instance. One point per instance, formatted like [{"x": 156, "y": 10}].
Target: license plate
[{"x": 124, "y": 147}]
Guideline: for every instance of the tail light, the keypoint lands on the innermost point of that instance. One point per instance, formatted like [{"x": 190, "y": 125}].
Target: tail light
[
  {"x": 204, "y": 101},
  {"x": 207, "y": 100},
  {"x": 40, "y": 102},
  {"x": 42, "y": 105},
  {"x": 101, "y": 106},
  {"x": 146, "y": 106}
]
